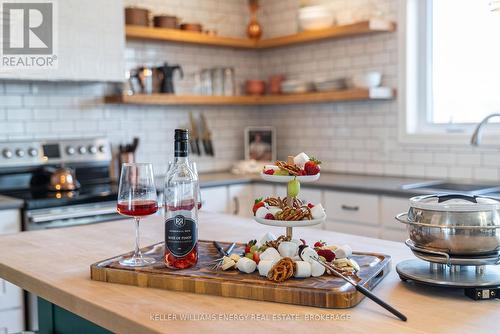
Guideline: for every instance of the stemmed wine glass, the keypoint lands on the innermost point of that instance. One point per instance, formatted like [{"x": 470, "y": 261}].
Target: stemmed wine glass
[{"x": 137, "y": 198}]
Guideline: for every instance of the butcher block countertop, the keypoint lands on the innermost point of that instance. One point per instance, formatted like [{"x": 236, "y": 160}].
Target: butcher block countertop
[{"x": 54, "y": 264}]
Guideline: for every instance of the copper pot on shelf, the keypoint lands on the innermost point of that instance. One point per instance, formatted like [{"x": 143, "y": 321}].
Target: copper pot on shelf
[
  {"x": 195, "y": 27},
  {"x": 137, "y": 16},
  {"x": 255, "y": 87},
  {"x": 274, "y": 85},
  {"x": 166, "y": 21}
]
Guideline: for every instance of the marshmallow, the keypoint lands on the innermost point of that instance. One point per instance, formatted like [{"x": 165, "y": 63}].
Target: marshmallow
[
  {"x": 270, "y": 254},
  {"x": 303, "y": 269},
  {"x": 297, "y": 242},
  {"x": 274, "y": 210},
  {"x": 300, "y": 160},
  {"x": 318, "y": 211},
  {"x": 288, "y": 249},
  {"x": 246, "y": 265},
  {"x": 343, "y": 251},
  {"x": 267, "y": 237},
  {"x": 271, "y": 167},
  {"x": 317, "y": 269},
  {"x": 261, "y": 212},
  {"x": 264, "y": 267}
]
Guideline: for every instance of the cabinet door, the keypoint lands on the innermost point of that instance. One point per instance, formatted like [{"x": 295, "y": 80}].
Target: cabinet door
[
  {"x": 352, "y": 228},
  {"x": 352, "y": 207},
  {"x": 11, "y": 297},
  {"x": 390, "y": 207},
  {"x": 263, "y": 190},
  {"x": 11, "y": 321},
  {"x": 214, "y": 199},
  {"x": 241, "y": 199}
]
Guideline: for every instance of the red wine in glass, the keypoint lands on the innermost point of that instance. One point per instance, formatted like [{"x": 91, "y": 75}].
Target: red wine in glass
[{"x": 137, "y": 208}]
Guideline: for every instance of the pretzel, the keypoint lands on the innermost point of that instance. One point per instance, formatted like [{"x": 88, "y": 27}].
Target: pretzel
[
  {"x": 292, "y": 214},
  {"x": 273, "y": 201},
  {"x": 282, "y": 270},
  {"x": 291, "y": 169},
  {"x": 276, "y": 243},
  {"x": 282, "y": 203}
]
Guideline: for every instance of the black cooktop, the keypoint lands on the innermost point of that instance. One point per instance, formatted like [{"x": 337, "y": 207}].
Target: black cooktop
[{"x": 38, "y": 199}]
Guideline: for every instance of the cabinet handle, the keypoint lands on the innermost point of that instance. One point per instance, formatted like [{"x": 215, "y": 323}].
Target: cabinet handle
[
  {"x": 349, "y": 207},
  {"x": 236, "y": 205}
]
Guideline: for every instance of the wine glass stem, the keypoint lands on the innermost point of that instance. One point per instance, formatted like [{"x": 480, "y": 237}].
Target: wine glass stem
[{"x": 137, "y": 252}]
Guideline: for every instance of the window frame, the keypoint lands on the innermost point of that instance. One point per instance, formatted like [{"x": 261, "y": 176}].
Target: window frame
[{"x": 415, "y": 83}]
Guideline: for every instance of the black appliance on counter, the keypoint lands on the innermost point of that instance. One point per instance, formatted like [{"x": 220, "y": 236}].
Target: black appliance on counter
[{"x": 26, "y": 168}]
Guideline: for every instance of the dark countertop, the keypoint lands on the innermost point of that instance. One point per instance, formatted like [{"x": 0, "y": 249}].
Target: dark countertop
[
  {"x": 10, "y": 203},
  {"x": 371, "y": 184}
]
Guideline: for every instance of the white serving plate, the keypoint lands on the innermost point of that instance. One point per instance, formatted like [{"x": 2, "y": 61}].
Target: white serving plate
[
  {"x": 286, "y": 223},
  {"x": 283, "y": 178}
]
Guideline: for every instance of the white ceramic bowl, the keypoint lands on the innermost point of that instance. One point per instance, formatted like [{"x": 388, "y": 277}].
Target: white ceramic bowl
[
  {"x": 366, "y": 80},
  {"x": 315, "y": 18}
]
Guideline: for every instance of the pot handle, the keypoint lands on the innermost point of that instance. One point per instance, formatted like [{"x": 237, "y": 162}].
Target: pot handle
[
  {"x": 412, "y": 246},
  {"x": 444, "y": 198},
  {"x": 402, "y": 218}
]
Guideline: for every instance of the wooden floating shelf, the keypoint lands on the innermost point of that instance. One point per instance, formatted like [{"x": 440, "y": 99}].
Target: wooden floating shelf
[
  {"x": 174, "y": 35},
  {"x": 380, "y": 93}
]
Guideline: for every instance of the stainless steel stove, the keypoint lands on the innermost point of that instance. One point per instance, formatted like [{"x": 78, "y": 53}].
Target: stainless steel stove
[
  {"x": 479, "y": 276},
  {"x": 23, "y": 168}
]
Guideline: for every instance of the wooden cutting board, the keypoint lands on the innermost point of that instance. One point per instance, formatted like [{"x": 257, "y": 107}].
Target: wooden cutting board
[{"x": 326, "y": 291}]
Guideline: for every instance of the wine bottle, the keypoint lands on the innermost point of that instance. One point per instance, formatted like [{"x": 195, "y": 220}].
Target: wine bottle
[{"x": 181, "y": 208}]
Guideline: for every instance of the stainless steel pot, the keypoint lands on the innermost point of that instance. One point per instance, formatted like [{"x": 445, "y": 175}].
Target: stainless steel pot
[{"x": 454, "y": 224}]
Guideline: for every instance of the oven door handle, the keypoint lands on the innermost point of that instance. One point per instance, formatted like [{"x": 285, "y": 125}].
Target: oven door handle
[{"x": 43, "y": 218}]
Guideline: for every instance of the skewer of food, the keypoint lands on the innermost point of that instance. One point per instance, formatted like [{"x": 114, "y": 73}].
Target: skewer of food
[{"x": 283, "y": 258}]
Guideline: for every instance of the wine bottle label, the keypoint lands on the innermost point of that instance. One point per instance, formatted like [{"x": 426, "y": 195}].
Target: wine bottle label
[{"x": 180, "y": 235}]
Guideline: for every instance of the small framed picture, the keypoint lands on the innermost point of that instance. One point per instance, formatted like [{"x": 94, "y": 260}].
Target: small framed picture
[{"x": 260, "y": 143}]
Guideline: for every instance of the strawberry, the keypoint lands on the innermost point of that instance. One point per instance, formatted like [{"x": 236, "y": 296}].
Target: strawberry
[
  {"x": 312, "y": 167},
  {"x": 269, "y": 216},
  {"x": 247, "y": 249},
  {"x": 319, "y": 244},
  {"x": 303, "y": 172},
  {"x": 310, "y": 205},
  {"x": 328, "y": 254},
  {"x": 256, "y": 257},
  {"x": 269, "y": 172},
  {"x": 258, "y": 203}
]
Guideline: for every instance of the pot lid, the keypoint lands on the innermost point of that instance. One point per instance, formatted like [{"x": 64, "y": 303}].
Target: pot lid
[{"x": 455, "y": 203}]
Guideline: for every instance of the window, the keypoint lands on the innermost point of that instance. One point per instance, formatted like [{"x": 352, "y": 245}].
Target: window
[{"x": 452, "y": 65}]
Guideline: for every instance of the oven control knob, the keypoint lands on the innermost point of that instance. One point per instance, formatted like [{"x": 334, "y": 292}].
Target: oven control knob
[
  {"x": 70, "y": 150},
  {"x": 82, "y": 150},
  {"x": 102, "y": 149},
  {"x": 20, "y": 153},
  {"x": 33, "y": 152},
  {"x": 92, "y": 149},
  {"x": 7, "y": 153}
]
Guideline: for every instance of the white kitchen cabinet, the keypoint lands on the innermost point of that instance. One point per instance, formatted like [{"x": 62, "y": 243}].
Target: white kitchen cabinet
[
  {"x": 389, "y": 208},
  {"x": 263, "y": 190},
  {"x": 355, "y": 228},
  {"x": 88, "y": 43},
  {"x": 352, "y": 213},
  {"x": 241, "y": 199},
  {"x": 11, "y": 321},
  {"x": 352, "y": 207},
  {"x": 11, "y": 297},
  {"x": 215, "y": 199}
]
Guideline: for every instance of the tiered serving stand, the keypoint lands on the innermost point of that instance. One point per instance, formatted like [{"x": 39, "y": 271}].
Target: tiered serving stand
[{"x": 289, "y": 225}]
